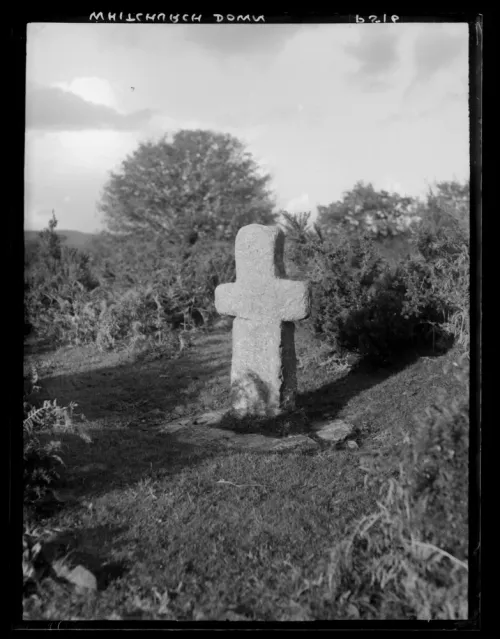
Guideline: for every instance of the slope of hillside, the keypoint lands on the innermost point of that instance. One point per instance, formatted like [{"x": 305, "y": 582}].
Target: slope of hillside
[
  {"x": 222, "y": 528},
  {"x": 73, "y": 239}
]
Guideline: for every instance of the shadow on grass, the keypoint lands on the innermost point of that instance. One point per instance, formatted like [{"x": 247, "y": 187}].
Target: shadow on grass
[
  {"x": 124, "y": 404},
  {"x": 131, "y": 399},
  {"x": 329, "y": 399},
  {"x": 117, "y": 459},
  {"x": 324, "y": 402},
  {"x": 162, "y": 384}
]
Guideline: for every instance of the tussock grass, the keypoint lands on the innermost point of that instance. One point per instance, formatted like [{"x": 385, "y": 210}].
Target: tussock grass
[{"x": 397, "y": 561}]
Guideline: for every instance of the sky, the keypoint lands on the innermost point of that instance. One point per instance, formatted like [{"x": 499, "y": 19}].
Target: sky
[{"x": 319, "y": 106}]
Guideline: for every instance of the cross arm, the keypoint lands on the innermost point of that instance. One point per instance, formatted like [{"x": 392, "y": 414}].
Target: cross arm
[{"x": 277, "y": 299}]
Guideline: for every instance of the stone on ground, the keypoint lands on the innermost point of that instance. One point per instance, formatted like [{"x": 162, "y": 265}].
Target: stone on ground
[{"x": 335, "y": 431}]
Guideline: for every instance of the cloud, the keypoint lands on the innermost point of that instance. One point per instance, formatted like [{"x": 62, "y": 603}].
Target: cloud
[
  {"x": 242, "y": 39},
  {"x": 392, "y": 186},
  {"x": 54, "y": 109},
  {"x": 93, "y": 89},
  {"x": 436, "y": 48},
  {"x": 299, "y": 204},
  {"x": 309, "y": 115},
  {"x": 41, "y": 198},
  {"x": 424, "y": 103},
  {"x": 162, "y": 123},
  {"x": 37, "y": 218},
  {"x": 414, "y": 114},
  {"x": 376, "y": 52}
]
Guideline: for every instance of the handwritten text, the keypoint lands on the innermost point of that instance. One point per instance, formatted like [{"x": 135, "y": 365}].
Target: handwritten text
[
  {"x": 171, "y": 17},
  {"x": 377, "y": 19}
]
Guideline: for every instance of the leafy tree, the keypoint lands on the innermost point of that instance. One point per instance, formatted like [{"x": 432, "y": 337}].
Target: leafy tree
[
  {"x": 363, "y": 209},
  {"x": 196, "y": 184}
]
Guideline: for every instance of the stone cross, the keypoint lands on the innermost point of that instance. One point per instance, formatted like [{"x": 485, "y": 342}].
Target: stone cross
[{"x": 265, "y": 304}]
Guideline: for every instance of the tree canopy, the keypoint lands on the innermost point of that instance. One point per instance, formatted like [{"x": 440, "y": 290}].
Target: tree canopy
[
  {"x": 190, "y": 185},
  {"x": 363, "y": 208}
]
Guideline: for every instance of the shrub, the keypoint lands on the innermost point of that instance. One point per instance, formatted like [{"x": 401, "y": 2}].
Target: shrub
[
  {"x": 342, "y": 276},
  {"x": 132, "y": 317},
  {"x": 198, "y": 280},
  {"x": 134, "y": 289},
  {"x": 56, "y": 279},
  {"x": 41, "y": 446},
  {"x": 363, "y": 303},
  {"x": 446, "y": 252},
  {"x": 380, "y": 289},
  {"x": 186, "y": 284}
]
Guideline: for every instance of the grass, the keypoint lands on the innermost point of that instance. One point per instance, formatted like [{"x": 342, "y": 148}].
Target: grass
[{"x": 186, "y": 530}]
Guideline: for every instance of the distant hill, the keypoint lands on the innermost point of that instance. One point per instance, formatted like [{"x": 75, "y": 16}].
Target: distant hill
[{"x": 73, "y": 239}]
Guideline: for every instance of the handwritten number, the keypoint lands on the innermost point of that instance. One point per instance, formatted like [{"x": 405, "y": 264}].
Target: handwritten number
[{"x": 375, "y": 20}]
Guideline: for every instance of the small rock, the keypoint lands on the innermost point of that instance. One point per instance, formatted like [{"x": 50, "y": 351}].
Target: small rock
[
  {"x": 352, "y": 444},
  {"x": 352, "y": 611},
  {"x": 296, "y": 612},
  {"x": 82, "y": 578},
  {"x": 173, "y": 427},
  {"x": 210, "y": 418},
  {"x": 230, "y": 615},
  {"x": 336, "y": 431}
]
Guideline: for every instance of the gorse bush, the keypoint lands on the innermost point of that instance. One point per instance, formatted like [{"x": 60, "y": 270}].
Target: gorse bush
[
  {"x": 200, "y": 277},
  {"x": 139, "y": 286},
  {"x": 135, "y": 316},
  {"x": 56, "y": 278},
  {"x": 121, "y": 297},
  {"x": 409, "y": 558},
  {"x": 342, "y": 277},
  {"x": 176, "y": 294},
  {"x": 361, "y": 304},
  {"x": 378, "y": 307}
]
